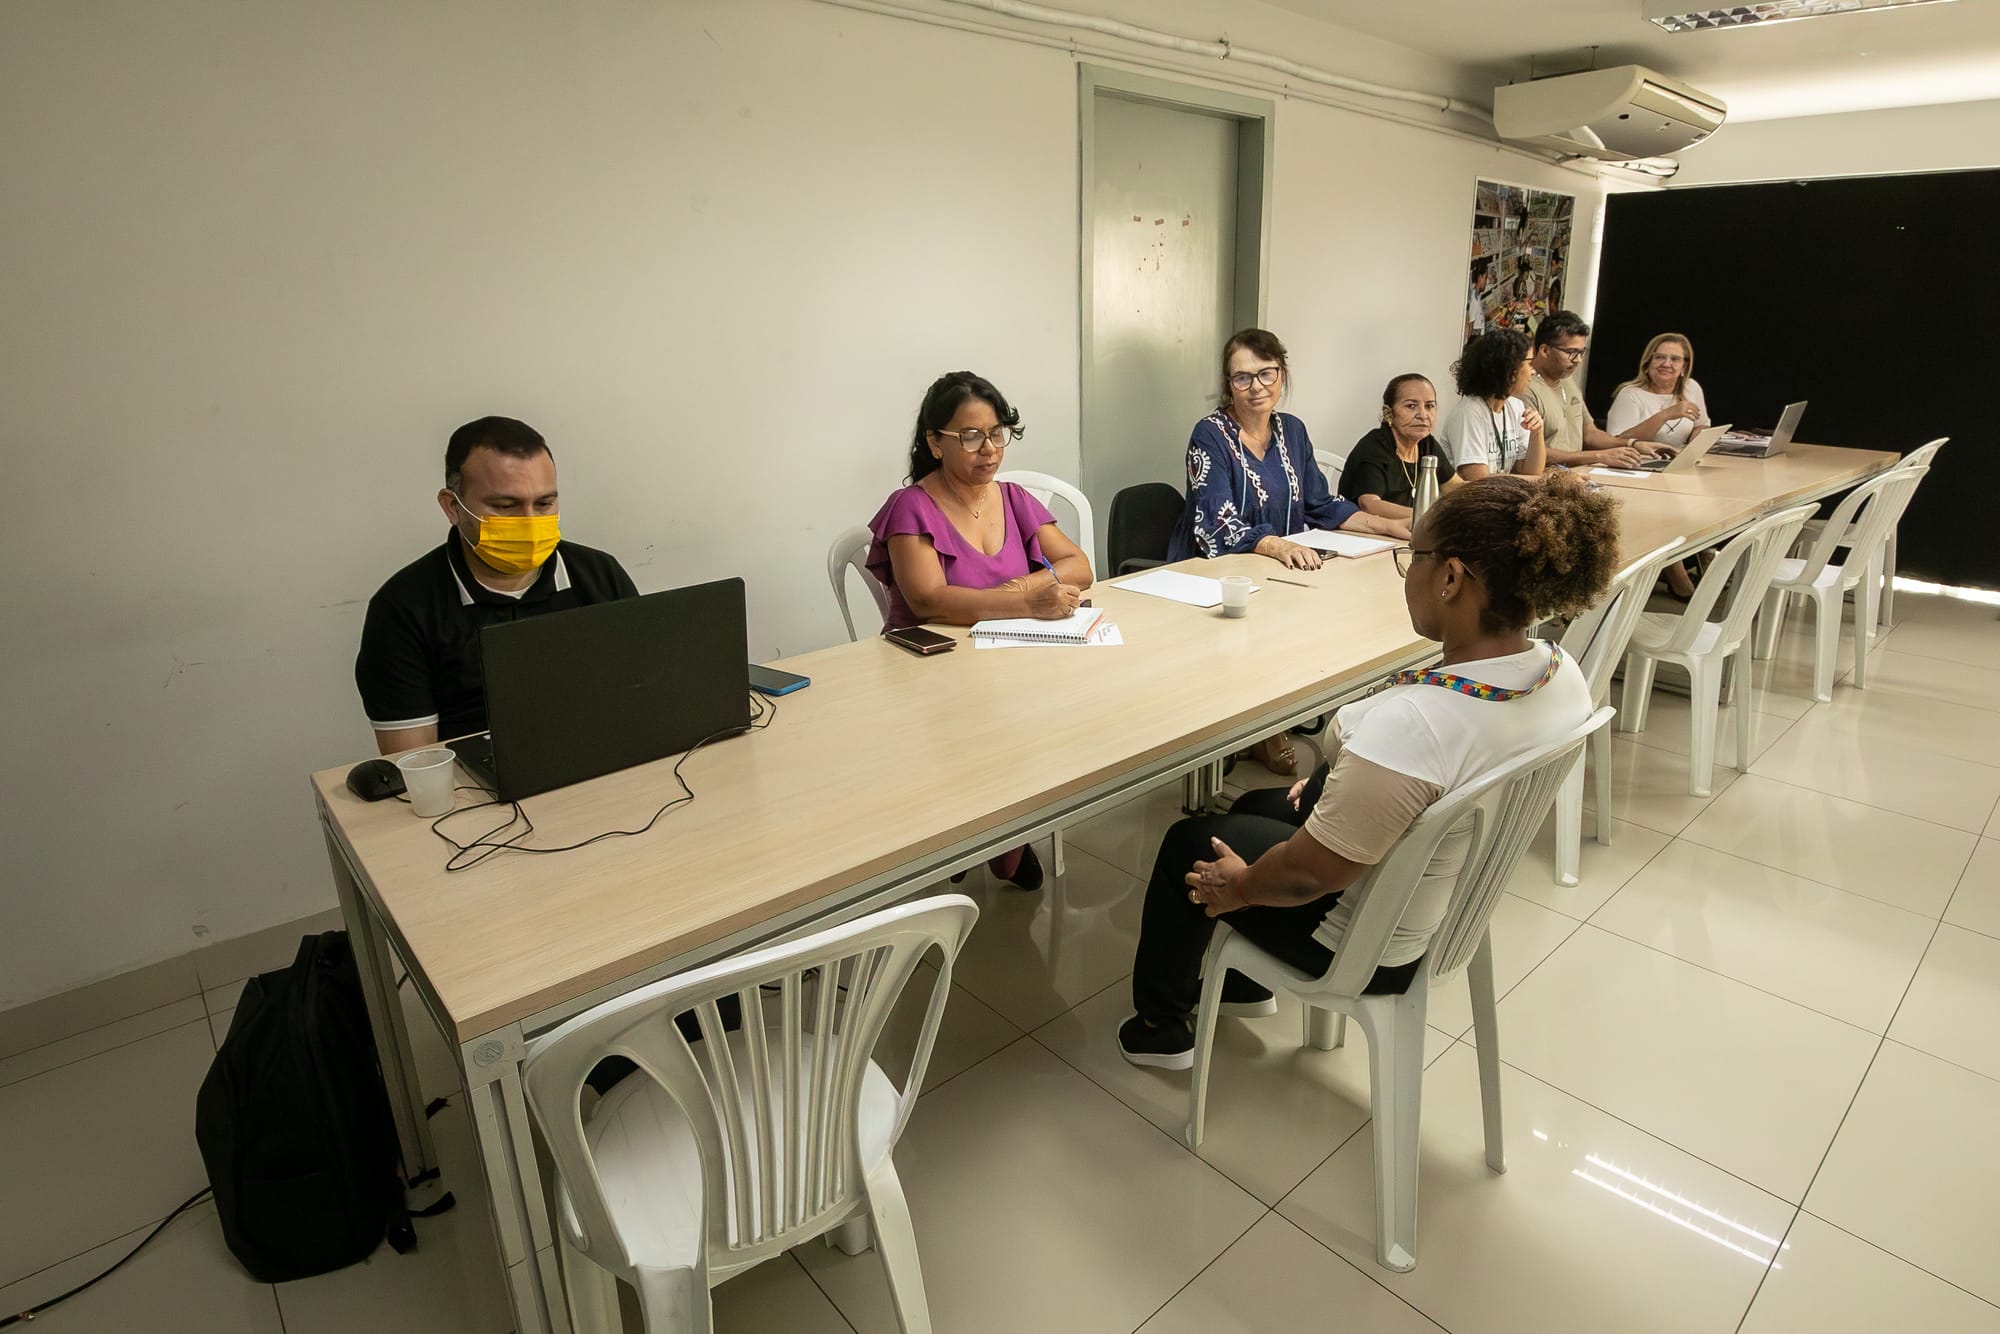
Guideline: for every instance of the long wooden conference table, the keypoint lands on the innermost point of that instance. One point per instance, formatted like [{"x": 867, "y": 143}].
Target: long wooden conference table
[{"x": 889, "y": 773}]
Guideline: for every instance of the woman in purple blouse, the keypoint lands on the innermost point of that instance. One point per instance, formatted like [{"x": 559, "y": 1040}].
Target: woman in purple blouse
[{"x": 954, "y": 546}]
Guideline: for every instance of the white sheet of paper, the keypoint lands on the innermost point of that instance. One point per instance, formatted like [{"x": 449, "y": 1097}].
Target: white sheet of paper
[
  {"x": 1624, "y": 472},
  {"x": 1193, "y": 589},
  {"x": 1106, "y": 636},
  {"x": 1341, "y": 544}
]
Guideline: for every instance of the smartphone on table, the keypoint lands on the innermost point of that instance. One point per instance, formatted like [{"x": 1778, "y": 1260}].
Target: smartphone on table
[
  {"x": 919, "y": 641},
  {"x": 771, "y": 681}
]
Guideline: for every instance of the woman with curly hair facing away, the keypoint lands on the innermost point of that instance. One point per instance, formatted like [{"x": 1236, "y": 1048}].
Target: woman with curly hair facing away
[
  {"x": 1490, "y": 429},
  {"x": 1488, "y": 559}
]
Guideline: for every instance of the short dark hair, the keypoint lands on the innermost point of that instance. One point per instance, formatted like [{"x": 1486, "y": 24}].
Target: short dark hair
[
  {"x": 502, "y": 435},
  {"x": 1544, "y": 546},
  {"x": 1560, "y": 324},
  {"x": 1389, "y": 392},
  {"x": 1487, "y": 367},
  {"x": 1262, "y": 342},
  {"x": 942, "y": 401}
]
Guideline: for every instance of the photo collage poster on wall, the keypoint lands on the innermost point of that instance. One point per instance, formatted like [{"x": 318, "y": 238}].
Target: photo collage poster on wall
[{"x": 1520, "y": 256}]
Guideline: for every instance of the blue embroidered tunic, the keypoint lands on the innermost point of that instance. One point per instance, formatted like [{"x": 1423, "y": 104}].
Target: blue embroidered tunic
[{"x": 1235, "y": 500}]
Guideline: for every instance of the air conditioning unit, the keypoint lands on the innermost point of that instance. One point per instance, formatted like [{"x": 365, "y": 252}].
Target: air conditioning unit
[{"x": 1617, "y": 114}]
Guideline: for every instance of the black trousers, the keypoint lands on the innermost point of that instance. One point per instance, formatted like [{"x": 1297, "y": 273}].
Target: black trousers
[{"x": 1174, "y": 933}]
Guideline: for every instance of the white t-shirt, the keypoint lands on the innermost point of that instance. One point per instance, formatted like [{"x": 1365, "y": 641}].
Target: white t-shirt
[
  {"x": 1440, "y": 736},
  {"x": 1633, "y": 405},
  {"x": 1471, "y": 432}
]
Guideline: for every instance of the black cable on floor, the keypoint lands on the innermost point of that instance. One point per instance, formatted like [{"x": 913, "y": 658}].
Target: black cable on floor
[{"x": 33, "y": 1311}]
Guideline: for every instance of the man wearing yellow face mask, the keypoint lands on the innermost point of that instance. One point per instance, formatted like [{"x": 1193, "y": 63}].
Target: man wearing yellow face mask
[{"x": 504, "y": 560}]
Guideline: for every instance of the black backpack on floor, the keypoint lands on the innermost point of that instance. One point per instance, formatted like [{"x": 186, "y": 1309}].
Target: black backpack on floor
[{"x": 294, "y": 1124}]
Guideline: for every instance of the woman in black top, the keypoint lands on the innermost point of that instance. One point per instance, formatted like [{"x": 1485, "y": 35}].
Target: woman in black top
[{"x": 1381, "y": 473}]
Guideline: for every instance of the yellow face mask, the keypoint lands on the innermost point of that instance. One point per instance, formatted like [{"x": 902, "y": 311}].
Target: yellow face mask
[{"x": 514, "y": 543}]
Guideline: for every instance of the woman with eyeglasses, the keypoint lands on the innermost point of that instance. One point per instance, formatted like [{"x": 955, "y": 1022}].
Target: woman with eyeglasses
[
  {"x": 1490, "y": 428},
  {"x": 1252, "y": 478},
  {"x": 1662, "y": 403},
  {"x": 955, "y": 546},
  {"x": 1487, "y": 560}
]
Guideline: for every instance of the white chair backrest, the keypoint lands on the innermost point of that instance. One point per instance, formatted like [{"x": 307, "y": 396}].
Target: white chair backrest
[
  {"x": 1597, "y": 639},
  {"x": 1863, "y": 519},
  {"x": 1046, "y": 488},
  {"x": 1921, "y": 456},
  {"x": 1507, "y": 807},
  {"x": 1744, "y": 568},
  {"x": 777, "y": 1128},
  {"x": 850, "y": 551},
  {"x": 1332, "y": 465}
]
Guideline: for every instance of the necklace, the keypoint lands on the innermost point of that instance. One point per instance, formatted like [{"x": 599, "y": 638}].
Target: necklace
[
  {"x": 967, "y": 506},
  {"x": 1408, "y": 465},
  {"x": 1479, "y": 689}
]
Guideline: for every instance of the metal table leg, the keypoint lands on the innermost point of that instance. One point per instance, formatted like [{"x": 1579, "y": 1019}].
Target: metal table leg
[
  {"x": 385, "y": 1016},
  {"x": 521, "y": 1221}
]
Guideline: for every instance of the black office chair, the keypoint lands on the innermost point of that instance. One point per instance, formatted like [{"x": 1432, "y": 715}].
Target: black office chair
[{"x": 1142, "y": 523}]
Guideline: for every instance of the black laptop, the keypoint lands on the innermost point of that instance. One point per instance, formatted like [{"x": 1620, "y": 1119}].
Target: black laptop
[{"x": 589, "y": 691}]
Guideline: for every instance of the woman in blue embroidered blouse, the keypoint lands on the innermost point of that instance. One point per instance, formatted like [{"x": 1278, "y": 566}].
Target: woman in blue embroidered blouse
[{"x": 1252, "y": 478}]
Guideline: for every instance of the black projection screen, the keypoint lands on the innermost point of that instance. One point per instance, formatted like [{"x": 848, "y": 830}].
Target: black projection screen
[{"x": 1877, "y": 298}]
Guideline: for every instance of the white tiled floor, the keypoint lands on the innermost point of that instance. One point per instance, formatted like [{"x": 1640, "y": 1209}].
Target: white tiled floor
[{"x": 1749, "y": 1063}]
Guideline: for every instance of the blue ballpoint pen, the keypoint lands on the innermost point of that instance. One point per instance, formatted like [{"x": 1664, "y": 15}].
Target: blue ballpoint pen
[{"x": 1050, "y": 566}]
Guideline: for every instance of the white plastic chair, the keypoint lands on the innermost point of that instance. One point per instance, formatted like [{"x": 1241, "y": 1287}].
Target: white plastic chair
[
  {"x": 1597, "y": 641},
  {"x": 1332, "y": 465},
  {"x": 716, "y": 1155},
  {"x": 1885, "y": 576},
  {"x": 1707, "y": 648},
  {"x": 1504, "y": 810},
  {"x": 1044, "y": 488},
  {"x": 1862, "y": 523},
  {"x": 850, "y": 551}
]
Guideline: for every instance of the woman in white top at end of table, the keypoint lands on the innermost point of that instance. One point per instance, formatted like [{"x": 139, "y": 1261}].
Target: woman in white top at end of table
[
  {"x": 1662, "y": 404},
  {"x": 1490, "y": 429}
]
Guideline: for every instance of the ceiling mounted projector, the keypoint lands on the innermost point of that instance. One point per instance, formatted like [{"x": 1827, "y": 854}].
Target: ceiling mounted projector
[{"x": 1619, "y": 114}]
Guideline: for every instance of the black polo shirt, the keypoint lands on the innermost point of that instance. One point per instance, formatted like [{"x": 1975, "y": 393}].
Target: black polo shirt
[{"x": 419, "y": 659}]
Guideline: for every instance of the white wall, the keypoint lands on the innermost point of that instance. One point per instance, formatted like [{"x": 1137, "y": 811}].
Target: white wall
[
  {"x": 1950, "y": 137},
  {"x": 260, "y": 260}
]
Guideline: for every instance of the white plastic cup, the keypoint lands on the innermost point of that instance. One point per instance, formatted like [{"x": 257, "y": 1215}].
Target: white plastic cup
[
  {"x": 427, "y": 776},
  {"x": 1235, "y": 595}
]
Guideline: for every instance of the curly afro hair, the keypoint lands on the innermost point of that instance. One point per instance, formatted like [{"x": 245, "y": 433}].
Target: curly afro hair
[
  {"x": 1491, "y": 360},
  {"x": 1544, "y": 546}
]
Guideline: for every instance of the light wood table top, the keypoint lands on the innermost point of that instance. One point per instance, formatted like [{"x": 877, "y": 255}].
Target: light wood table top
[
  {"x": 1801, "y": 471},
  {"x": 885, "y": 760}
]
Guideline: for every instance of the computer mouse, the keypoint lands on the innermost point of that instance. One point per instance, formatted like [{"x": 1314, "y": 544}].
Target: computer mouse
[{"x": 372, "y": 780}]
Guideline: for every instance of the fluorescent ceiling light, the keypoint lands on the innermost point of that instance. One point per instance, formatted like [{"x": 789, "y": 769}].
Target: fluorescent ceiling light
[{"x": 1776, "y": 11}]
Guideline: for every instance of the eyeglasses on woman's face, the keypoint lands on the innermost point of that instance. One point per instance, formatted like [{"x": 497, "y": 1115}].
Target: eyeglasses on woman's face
[
  {"x": 971, "y": 439},
  {"x": 1266, "y": 376},
  {"x": 1406, "y": 557}
]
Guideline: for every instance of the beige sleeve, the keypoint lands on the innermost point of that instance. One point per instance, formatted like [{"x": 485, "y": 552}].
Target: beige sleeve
[{"x": 1365, "y": 809}]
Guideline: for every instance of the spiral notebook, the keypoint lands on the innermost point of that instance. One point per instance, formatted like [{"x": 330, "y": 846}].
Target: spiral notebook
[{"x": 1074, "y": 628}]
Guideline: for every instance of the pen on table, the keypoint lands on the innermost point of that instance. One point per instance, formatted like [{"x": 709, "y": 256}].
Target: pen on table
[{"x": 1293, "y": 582}]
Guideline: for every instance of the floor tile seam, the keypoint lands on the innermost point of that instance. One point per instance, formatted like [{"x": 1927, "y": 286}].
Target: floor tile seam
[
  {"x": 1176, "y": 1140},
  {"x": 1765, "y": 1277},
  {"x": 1927, "y": 751},
  {"x": 1658, "y": 1137},
  {"x": 1072, "y": 848},
  {"x": 1366, "y": 1117},
  {"x": 1856, "y": 801},
  {"x": 1877, "y": 1246},
  {"x": 1671, "y": 840},
  {"x": 1909, "y": 1046},
  {"x": 1796, "y": 875},
  {"x": 109, "y": 1023},
  {"x": 1211, "y": 1263},
  {"x": 140, "y": 1232},
  {"x": 1762, "y": 991},
  {"x": 933, "y": 1090},
  {"x": 814, "y": 1280},
  {"x": 1846, "y": 1112},
  {"x": 1422, "y": 1314},
  {"x": 1929, "y": 657},
  {"x": 64, "y": 1065}
]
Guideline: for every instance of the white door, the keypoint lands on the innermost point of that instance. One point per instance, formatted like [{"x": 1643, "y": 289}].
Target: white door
[{"x": 1163, "y": 289}]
